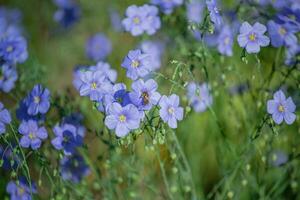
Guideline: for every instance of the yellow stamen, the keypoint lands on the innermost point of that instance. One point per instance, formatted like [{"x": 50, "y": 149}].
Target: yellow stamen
[
  {"x": 226, "y": 41},
  {"x": 136, "y": 20},
  {"x": 9, "y": 48},
  {"x": 31, "y": 135},
  {"x": 122, "y": 118},
  {"x": 171, "y": 110},
  {"x": 280, "y": 108},
  {"x": 252, "y": 36},
  {"x": 282, "y": 31},
  {"x": 135, "y": 63},
  {"x": 94, "y": 85},
  {"x": 36, "y": 99}
]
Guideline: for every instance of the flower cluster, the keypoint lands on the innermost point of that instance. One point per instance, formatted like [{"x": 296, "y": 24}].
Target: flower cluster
[
  {"x": 13, "y": 48},
  {"x": 141, "y": 19}
]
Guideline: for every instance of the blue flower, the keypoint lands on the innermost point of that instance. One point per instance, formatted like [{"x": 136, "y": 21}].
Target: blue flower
[
  {"x": 94, "y": 84},
  {"x": 225, "y": 41},
  {"x": 289, "y": 16},
  {"x": 119, "y": 94},
  {"x": 38, "y": 100},
  {"x": 155, "y": 50},
  {"x": 278, "y": 158},
  {"x": 292, "y": 54},
  {"x": 281, "y": 108},
  {"x": 22, "y": 112},
  {"x": 144, "y": 94},
  {"x": 68, "y": 13},
  {"x": 199, "y": 96},
  {"x": 104, "y": 67},
  {"x": 98, "y": 47},
  {"x": 252, "y": 37},
  {"x": 281, "y": 34},
  {"x": 13, "y": 49},
  {"x": 214, "y": 12},
  {"x": 167, "y": 6},
  {"x": 21, "y": 189},
  {"x": 137, "y": 64},
  {"x": 11, "y": 160},
  {"x": 8, "y": 77},
  {"x": 5, "y": 118},
  {"x": 75, "y": 119},
  {"x": 170, "y": 111},
  {"x": 73, "y": 168},
  {"x": 67, "y": 138},
  {"x": 122, "y": 119},
  {"x": 10, "y": 22},
  {"x": 195, "y": 11},
  {"x": 32, "y": 134},
  {"x": 141, "y": 19},
  {"x": 115, "y": 20}
]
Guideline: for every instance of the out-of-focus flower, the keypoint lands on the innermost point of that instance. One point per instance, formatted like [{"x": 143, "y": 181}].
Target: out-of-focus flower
[
  {"x": 67, "y": 138},
  {"x": 155, "y": 50},
  {"x": 278, "y": 158},
  {"x": 170, "y": 111},
  {"x": 32, "y": 134},
  {"x": 292, "y": 54},
  {"x": 141, "y": 19},
  {"x": 137, "y": 64},
  {"x": 167, "y": 6},
  {"x": 75, "y": 119},
  {"x": 94, "y": 84},
  {"x": 104, "y": 67},
  {"x": 8, "y": 77},
  {"x": 115, "y": 20},
  {"x": 68, "y": 12},
  {"x": 10, "y": 159},
  {"x": 38, "y": 100},
  {"x": 13, "y": 49},
  {"x": 122, "y": 119},
  {"x": 5, "y": 118},
  {"x": 214, "y": 12},
  {"x": 199, "y": 96},
  {"x": 281, "y": 108},
  {"x": 144, "y": 94},
  {"x": 225, "y": 41},
  {"x": 10, "y": 22},
  {"x": 73, "y": 168},
  {"x": 98, "y": 47},
  {"x": 21, "y": 189},
  {"x": 281, "y": 34},
  {"x": 252, "y": 37},
  {"x": 195, "y": 11},
  {"x": 289, "y": 16}
]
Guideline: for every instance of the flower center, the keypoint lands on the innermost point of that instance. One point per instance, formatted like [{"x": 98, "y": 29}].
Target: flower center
[
  {"x": 94, "y": 85},
  {"x": 31, "y": 135},
  {"x": 280, "y": 108},
  {"x": 136, "y": 20},
  {"x": 252, "y": 36},
  {"x": 292, "y": 17},
  {"x": 9, "y": 49},
  {"x": 21, "y": 191},
  {"x": 282, "y": 31},
  {"x": 226, "y": 40},
  {"x": 36, "y": 99},
  {"x": 171, "y": 110},
  {"x": 122, "y": 118},
  {"x": 145, "y": 97},
  {"x": 135, "y": 63}
]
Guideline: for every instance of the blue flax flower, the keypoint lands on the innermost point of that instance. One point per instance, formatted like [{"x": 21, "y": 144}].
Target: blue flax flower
[
  {"x": 155, "y": 50},
  {"x": 137, "y": 64},
  {"x": 8, "y": 77},
  {"x": 225, "y": 41},
  {"x": 32, "y": 134},
  {"x": 144, "y": 94},
  {"x": 98, "y": 47},
  {"x": 68, "y": 12},
  {"x": 94, "y": 84},
  {"x": 195, "y": 11},
  {"x": 13, "y": 49},
  {"x": 11, "y": 160},
  {"x": 67, "y": 138},
  {"x": 73, "y": 168},
  {"x": 152, "y": 21},
  {"x": 214, "y": 12},
  {"x": 122, "y": 119},
  {"x": 5, "y": 118},
  {"x": 21, "y": 190},
  {"x": 111, "y": 74},
  {"x": 167, "y": 6},
  {"x": 38, "y": 100},
  {"x": 252, "y": 37},
  {"x": 281, "y": 108},
  {"x": 199, "y": 96},
  {"x": 170, "y": 111},
  {"x": 281, "y": 34}
]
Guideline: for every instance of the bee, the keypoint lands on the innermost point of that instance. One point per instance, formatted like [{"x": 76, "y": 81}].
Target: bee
[{"x": 145, "y": 97}]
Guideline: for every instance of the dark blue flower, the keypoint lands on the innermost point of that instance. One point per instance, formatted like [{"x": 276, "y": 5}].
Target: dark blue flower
[
  {"x": 73, "y": 168},
  {"x": 13, "y": 49},
  {"x": 8, "y": 77},
  {"x": 21, "y": 190},
  {"x": 10, "y": 159},
  {"x": 98, "y": 47},
  {"x": 68, "y": 13},
  {"x": 5, "y": 118},
  {"x": 67, "y": 138},
  {"x": 38, "y": 100},
  {"x": 22, "y": 112}
]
